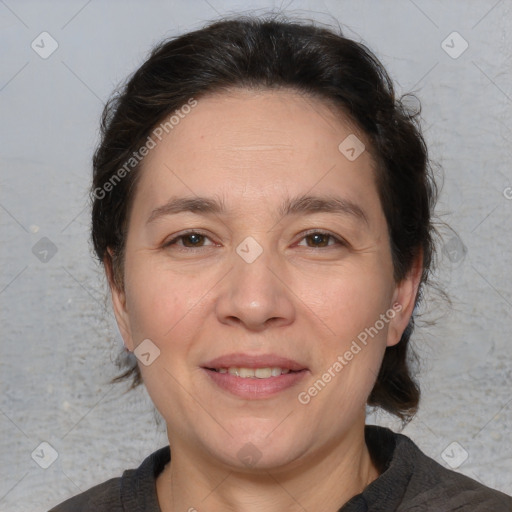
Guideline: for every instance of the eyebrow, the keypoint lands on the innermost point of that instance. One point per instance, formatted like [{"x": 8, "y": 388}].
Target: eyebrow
[{"x": 305, "y": 204}]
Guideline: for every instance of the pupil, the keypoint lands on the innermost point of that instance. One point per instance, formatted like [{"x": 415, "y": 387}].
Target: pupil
[
  {"x": 318, "y": 238},
  {"x": 194, "y": 239}
]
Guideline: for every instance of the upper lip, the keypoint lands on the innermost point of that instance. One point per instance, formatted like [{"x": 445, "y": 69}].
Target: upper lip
[{"x": 241, "y": 360}]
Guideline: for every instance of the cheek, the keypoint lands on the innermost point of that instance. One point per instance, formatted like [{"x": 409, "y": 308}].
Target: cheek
[
  {"x": 353, "y": 311},
  {"x": 158, "y": 300},
  {"x": 346, "y": 302}
]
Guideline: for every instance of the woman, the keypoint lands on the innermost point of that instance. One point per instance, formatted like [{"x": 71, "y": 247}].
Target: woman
[{"x": 262, "y": 204}]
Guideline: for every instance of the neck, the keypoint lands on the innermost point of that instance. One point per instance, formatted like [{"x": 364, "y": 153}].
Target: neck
[{"x": 325, "y": 480}]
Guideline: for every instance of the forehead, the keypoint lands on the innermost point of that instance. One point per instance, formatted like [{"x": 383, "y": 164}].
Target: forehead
[
  {"x": 254, "y": 145},
  {"x": 262, "y": 121}
]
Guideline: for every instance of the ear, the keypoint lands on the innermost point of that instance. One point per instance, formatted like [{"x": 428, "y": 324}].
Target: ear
[
  {"x": 118, "y": 301},
  {"x": 404, "y": 298}
]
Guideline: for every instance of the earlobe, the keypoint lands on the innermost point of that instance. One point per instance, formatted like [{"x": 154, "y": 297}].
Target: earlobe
[
  {"x": 118, "y": 297},
  {"x": 405, "y": 297}
]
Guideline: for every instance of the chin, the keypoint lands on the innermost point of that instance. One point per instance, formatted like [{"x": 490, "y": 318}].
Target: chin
[{"x": 259, "y": 448}]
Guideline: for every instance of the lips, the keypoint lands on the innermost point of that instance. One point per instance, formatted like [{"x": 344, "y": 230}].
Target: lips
[
  {"x": 253, "y": 388},
  {"x": 240, "y": 360}
]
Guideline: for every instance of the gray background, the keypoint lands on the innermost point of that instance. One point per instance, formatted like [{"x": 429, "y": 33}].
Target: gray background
[{"x": 58, "y": 341}]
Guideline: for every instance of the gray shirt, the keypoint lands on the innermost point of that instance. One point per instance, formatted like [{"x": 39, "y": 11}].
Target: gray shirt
[{"x": 409, "y": 481}]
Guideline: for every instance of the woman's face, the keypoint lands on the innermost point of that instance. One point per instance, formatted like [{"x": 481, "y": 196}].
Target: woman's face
[{"x": 267, "y": 279}]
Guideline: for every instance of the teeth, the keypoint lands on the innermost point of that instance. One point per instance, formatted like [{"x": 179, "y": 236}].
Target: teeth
[{"x": 259, "y": 373}]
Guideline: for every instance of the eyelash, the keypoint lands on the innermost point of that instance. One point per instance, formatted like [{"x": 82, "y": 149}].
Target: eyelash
[{"x": 338, "y": 240}]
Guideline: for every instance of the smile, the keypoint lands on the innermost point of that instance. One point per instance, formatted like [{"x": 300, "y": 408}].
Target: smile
[
  {"x": 258, "y": 373},
  {"x": 254, "y": 383}
]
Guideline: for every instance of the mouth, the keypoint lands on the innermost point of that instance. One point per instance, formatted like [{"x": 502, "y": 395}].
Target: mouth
[
  {"x": 254, "y": 377},
  {"x": 254, "y": 373}
]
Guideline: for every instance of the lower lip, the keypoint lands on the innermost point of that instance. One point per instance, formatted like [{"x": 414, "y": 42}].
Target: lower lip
[{"x": 253, "y": 388}]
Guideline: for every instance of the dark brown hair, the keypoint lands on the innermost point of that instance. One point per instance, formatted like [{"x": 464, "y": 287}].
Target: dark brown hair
[{"x": 266, "y": 52}]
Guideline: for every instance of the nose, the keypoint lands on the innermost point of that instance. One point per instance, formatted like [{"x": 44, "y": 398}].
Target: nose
[{"x": 255, "y": 294}]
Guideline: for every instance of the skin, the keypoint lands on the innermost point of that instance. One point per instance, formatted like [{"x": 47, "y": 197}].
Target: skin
[{"x": 304, "y": 297}]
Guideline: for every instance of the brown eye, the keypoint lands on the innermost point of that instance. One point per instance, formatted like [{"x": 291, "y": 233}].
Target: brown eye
[
  {"x": 319, "y": 239},
  {"x": 192, "y": 240},
  {"x": 189, "y": 240}
]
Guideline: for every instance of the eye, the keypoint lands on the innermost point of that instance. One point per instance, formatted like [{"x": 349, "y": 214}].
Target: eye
[
  {"x": 320, "y": 239},
  {"x": 197, "y": 240},
  {"x": 189, "y": 240}
]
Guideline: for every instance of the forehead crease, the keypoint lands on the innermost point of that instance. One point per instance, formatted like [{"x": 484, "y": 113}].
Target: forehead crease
[{"x": 257, "y": 147}]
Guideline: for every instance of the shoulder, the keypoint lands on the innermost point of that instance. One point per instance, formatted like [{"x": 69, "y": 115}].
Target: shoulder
[
  {"x": 410, "y": 481},
  {"x": 134, "y": 490},
  {"x": 100, "y": 498},
  {"x": 434, "y": 487}
]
